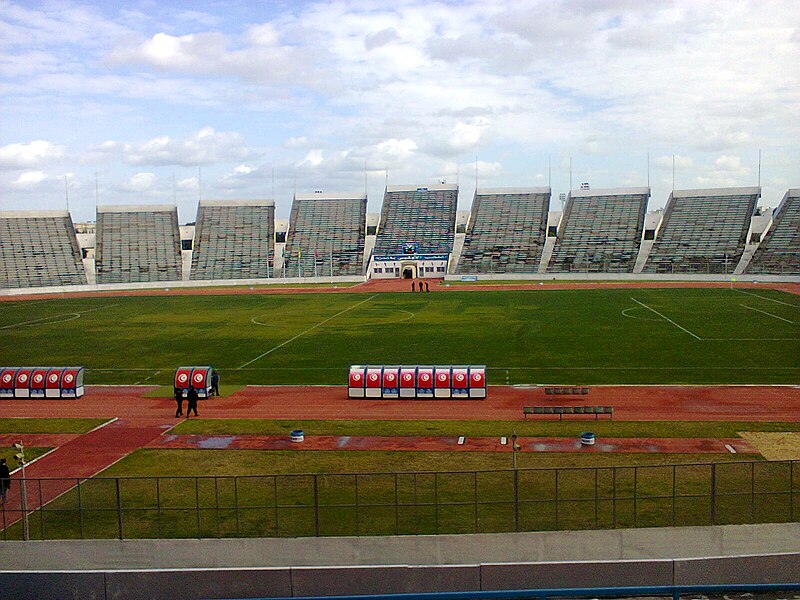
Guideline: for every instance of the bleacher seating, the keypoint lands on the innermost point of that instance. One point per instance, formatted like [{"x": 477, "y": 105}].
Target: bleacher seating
[
  {"x": 779, "y": 251},
  {"x": 506, "y": 231},
  {"x": 425, "y": 216},
  {"x": 600, "y": 231},
  {"x": 703, "y": 231},
  {"x": 234, "y": 240},
  {"x": 39, "y": 248},
  {"x": 326, "y": 235},
  {"x": 137, "y": 244}
]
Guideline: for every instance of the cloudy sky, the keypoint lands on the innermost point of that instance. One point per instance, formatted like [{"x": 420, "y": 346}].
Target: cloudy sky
[{"x": 131, "y": 102}]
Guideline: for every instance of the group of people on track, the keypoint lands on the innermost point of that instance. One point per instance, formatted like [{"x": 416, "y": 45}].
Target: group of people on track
[
  {"x": 421, "y": 289},
  {"x": 192, "y": 397}
]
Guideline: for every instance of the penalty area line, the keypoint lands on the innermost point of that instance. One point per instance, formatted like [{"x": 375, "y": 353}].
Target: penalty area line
[
  {"x": 302, "y": 333},
  {"x": 769, "y": 314},
  {"x": 667, "y": 319},
  {"x": 766, "y": 298}
]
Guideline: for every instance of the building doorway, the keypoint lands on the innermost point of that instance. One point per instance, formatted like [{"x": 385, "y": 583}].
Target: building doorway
[{"x": 409, "y": 271}]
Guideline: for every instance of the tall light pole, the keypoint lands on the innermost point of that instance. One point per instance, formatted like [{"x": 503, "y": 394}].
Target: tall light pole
[{"x": 23, "y": 491}]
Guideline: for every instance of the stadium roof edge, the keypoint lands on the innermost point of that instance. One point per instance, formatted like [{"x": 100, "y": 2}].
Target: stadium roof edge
[
  {"x": 610, "y": 192},
  {"x": 414, "y": 188},
  {"x": 33, "y": 214},
  {"x": 729, "y": 191},
  {"x": 237, "y": 203},
  {"x": 513, "y": 190},
  {"x": 330, "y": 196},
  {"x": 125, "y": 208}
]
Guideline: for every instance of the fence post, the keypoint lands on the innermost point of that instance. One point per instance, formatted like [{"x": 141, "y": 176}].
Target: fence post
[
  {"x": 197, "y": 505},
  {"x": 475, "y": 498},
  {"x": 216, "y": 503},
  {"x": 614, "y": 497},
  {"x": 436, "y": 499},
  {"x": 158, "y": 506},
  {"x": 516, "y": 500},
  {"x": 41, "y": 511},
  {"x": 752, "y": 492},
  {"x": 316, "y": 505},
  {"x": 674, "y": 469},
  {"x": 119, "y": 508},
  {"x": 713, "y": 493},
  {"x": 396, "y": 506},
  {"x": 635, "y": 494},
  {"x": 236, "y": 501},
  {"x": 556, "y": 472},
  {"x": 80, "y": 507},
  {"x": 791, "y": 490}
]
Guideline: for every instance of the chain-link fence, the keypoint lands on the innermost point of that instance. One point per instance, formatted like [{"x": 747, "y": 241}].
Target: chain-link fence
[{"x": 407, "y": 503}]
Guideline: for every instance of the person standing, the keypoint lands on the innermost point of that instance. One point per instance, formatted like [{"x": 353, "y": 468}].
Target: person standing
[
  {"x": 426, "y": 287},
  {"x": 215, "y": 383},
  {"x": 179, "y": 402},
  {"x": 413, "y": 286},
  {"x": 5, "y": 479},
  {"x": 191, "y": 402}
]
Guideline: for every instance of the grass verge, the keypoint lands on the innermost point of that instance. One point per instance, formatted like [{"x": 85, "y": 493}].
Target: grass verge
[{"x": 29, "y": 425}]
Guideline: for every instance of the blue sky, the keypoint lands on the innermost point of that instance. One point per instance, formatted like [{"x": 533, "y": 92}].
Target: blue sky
[{"x": 132, "y": 96}]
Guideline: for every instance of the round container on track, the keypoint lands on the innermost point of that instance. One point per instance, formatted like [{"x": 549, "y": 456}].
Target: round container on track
[
  {"x": 297, "y": 435},
  {"x": 587, "y": 438}
]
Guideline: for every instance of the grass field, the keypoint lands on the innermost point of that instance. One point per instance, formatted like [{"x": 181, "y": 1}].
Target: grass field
[{"x": 544, "y": 336}]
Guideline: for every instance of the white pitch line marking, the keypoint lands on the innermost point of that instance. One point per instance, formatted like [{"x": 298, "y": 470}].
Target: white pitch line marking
[
  {"x": 668, "y": 319},
  {"x": 763, "y": 312},
  {"x": 72, "y": 315},
  {"x": 146, "y": 378},
  {"x": 767, "y": 298},
  {"x": 302, "y": 333}
]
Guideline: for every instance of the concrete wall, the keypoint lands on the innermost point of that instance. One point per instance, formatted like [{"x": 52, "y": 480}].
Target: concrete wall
[
  {"x": 633, "y": 277},
  {"x": 168, "y": 584}
]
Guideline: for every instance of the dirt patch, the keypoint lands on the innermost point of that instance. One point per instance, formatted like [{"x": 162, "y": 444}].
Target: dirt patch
[{"x": 778, "y": 445}]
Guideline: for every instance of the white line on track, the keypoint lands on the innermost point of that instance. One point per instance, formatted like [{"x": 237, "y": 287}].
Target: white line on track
[
  {"x": 668, "y": 319},
  {"x": 767, "y": 298},
  {"x": 146, "y": 378},
  {"x": 763, "y": 312},
  {"x": 302, "y": 333}
]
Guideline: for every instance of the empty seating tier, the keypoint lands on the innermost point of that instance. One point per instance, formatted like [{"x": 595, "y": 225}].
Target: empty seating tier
[
  {"x": 326, "y": 235},
  {"x": 39, "y": 248},
  {"x": 417, "y": 220},
  {"x": 137, "y": 244},
  {"x": 779, "y": 251},
  {"x": 234, "y": 240},
  {"x": 600, "y": 232},
  {"x": 506, "y": 231},
  {"x": 703, "y": 231}
]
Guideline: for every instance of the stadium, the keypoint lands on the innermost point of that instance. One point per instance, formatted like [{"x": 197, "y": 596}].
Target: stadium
[{"x": 642, "y": 371}]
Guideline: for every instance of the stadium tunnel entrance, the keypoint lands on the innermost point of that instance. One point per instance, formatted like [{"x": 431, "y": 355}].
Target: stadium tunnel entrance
[{"x": 409, "y": 270}]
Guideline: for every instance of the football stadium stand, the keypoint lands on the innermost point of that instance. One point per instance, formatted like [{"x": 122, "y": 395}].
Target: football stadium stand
[
  {"x": 779, "y": 251},
  {"x": 506, "y": 231},
  {"x": 420, "y": 216},
  {"x": 39, "y": 248},
  {"x": 234, "y": 239},
  {"x": 601, "y": 231},
  {"x": 326, "y": 235},
  {"x": 703, "y": 231},
  {"x": 137, "y": 243}
]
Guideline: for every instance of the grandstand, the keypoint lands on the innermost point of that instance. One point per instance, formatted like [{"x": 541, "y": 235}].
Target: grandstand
[
  {"x": 703, "y": 231},
  {"x": 39, "y": 248},
  {"x": 137, "y": 244},
  {"x": 506, "y": 231},
  {"x": 416, "y": 231},
  {"x": 326, "y": 235},
  {"x": 234, "y": 239},
  {"x": 600, "y": 231},
  {"x": 779, "y": 251}
]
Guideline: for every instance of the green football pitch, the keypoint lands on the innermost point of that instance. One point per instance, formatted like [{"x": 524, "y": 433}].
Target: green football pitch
[{"x": 649, "y": 336}]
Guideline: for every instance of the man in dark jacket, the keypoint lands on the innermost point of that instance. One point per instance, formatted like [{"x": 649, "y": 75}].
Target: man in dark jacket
[
  {"x": 215, "y": 383},
  {"x": 179, "y": 402},
  {"x": 191, "y": 402},
  {"x": 5, "y": 479}
]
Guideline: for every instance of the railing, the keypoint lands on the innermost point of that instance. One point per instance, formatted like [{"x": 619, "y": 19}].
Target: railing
[{"x": 406, "y": 503}]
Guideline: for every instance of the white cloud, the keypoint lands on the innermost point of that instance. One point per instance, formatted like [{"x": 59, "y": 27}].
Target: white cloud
[
  {"x": 728, "y": 163},
  {"x": 314, "y": 158},
  {"x": 31, "y": 154},
  {"x": 681, "y": 162},
  {"x": 30, "y": 179},
  {"x": 205, "y": 146},
  {"x": 296, "y": 142},
  {"x": 394, "y": 150},
  {"x": 141, "y": 182}
]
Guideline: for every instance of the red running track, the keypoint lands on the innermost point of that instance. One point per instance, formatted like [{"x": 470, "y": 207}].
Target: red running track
[
  {"x": 449, "y": 444},
  {"x": 631, "y": 403}
]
